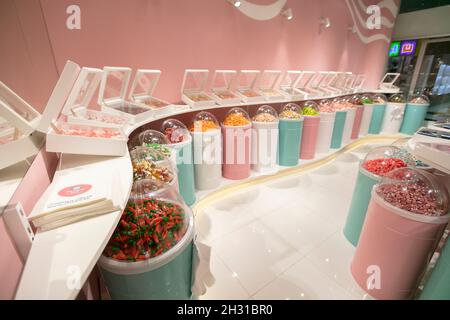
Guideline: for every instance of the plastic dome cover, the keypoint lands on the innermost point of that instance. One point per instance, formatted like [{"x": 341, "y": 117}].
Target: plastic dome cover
[
  {"x": 419, "y": 99},
  {"x": 367, "y": 99},
  {"x": 236, "y": 117},
  {"x": 382, "y": 160},
  {"x": 204, "y": 121},
  {"x": 174, "y": 130},
  {"x": 414, "y": 190},
  {"x": 151, "y": 164},
  {"x": 310, "y": 108},
  {"x": 155, "y": 140},
  {"x": 154, "y": 221},
  {"x": 291, "y": 111},
  {"x": 356, "y": 100},
  {"x": 397, "y": 98},
  {"x": 379, "y": 98},
  {"x": 326, "y": 105},
  {"x": 266, "y": 113},
  {"x": 402, "y": 145}
]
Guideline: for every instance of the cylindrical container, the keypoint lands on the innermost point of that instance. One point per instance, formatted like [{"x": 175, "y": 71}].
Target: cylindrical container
[
  {"x": 415, "y": 113},
  {"x": 349, "y": 120},
  {"x": 207, "y": 151},
  {"x": 405, "y": 220},
  {"x": 338, "y": 129},
  {"x": 290, "y": 135},
  {"x": 325, "y": 133},
  {"x": 357, "y": 101},
  {"x": 265, "y": 139},
  {"x": 181, "y": 141},
  {"x": 237, "y": 134},
  {"x": 150, "y": 259},
  {"x": 310, "y": 130},
  {"x": 377, "y": 162},
  {"x": 379, "y": 107},
  {"x": 367, "y": 115},
  {"x": 393, "y": 115},
  {"x": 438, "y": 285}
]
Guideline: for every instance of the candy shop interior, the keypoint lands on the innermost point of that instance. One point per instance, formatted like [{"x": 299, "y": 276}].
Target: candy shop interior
[{"x": 298, "y": 150}]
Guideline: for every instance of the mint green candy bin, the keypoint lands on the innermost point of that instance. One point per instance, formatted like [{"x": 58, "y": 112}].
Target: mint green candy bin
[
  {"x": 359, "y": 204},
  {"x": 415, "y": 113},
  {"x": 379, "y": 107},
  {"x": 290, "y": 127},
  {"x": 438, "y": 285},
  {"x": 338, "y": 129},
  {"x": 163, "y": 275}
]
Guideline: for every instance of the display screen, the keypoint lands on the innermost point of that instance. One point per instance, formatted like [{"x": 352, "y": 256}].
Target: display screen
[
  {"x": 394, "y": 49},
  {"x": 408, "y": 48}
]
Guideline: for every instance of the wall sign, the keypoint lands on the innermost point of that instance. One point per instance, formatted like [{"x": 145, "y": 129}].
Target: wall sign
[
  {"x": 394, "y": 49},
  {"x": 408, "y": 48}
]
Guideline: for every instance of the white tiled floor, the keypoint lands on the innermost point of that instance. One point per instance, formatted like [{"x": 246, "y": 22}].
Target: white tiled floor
[{"x": 283, "y": 240}]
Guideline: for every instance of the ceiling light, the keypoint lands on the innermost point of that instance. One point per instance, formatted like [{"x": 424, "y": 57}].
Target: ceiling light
[
  {"x": 235, "y": 3},
  {"x": 287, "y": 13},
  {"x": 324, "y": 21}
]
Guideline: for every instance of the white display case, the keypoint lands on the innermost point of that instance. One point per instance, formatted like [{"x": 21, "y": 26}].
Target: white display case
[
  {"x": 326, "y": 84},
  {"x": 193, "y": 89},
  {"x": 247, "y": 86},
  {"x": 312, "y": 86},
  {"x": 86, "y": 116},
  {"x": 359, "y": 82},
  {"x": 86, "y": 139},
  {"x": 268, "y": 85},
  {"x": 221, "y": 88},
  {"x": 142, "y": 90},
  {"x": 289, "y": 83},
  {"x": 303, "y": 83},
  {"x": 387, "y": 83},
  {"x": 112, "y": 95},
  {"x": 349, "y": 82}
]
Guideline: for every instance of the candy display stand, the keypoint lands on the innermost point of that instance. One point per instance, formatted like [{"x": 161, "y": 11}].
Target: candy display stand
[
  {"x": 112, "y": 95},
  {"x": 393, "y": 116},
  {"x": 415, "y": 112},
  {"x": 268, "y": 85},
  {"x": 358, "y": 103},
  {"x": 181, "y": 141},
  {"x": 142, "y": 90},
  {"x": 247, "y": 81},
  {"x": 339, "y": 122},
  {"x": 193, "y": 89},
  {"x": 310, "y": 130},
  {"x": 367, "y": 115},
  {"x": 207, "y": 151},
  {"x": 379, "y": 107},
  {"x": 288, "y": 85},
  {"x": 364, "y": 184},
  {"x": 156, "y": 274},
  {"x": 236, "y": 134},
  {"x": 348, "y": 127},
  {"x": 397, "y": 244},
  {"x": 290, "y": 135},
  {"x": 325, "y": 133},
  {"x": 265, "y": 140},
  {"x": 438, "y": 285},
  {"x": 223, "y": 82}
]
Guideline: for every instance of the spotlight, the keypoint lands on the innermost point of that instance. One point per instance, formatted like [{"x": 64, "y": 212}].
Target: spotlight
[
  {"x": 235, "y": 3},
  {"x": 287, "y": 13},
  {"x": 324, "y": 21}
]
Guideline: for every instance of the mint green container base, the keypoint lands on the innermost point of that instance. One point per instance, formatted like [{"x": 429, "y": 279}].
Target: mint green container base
[
  {"x": 165, "y": 277},
  {"x": 185, "y": 167},
  {"x": 338, "y": 129},
  {"x": 289, "y": 138},
  {"x": 438, "y": 285},
  {"x": 376, "y": 122},
  {"x": 358, "y": 207},
  {"x": 414, "y": 117}
]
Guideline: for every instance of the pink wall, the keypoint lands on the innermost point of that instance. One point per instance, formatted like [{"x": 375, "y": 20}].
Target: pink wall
[{"x": 173, "y": 35}]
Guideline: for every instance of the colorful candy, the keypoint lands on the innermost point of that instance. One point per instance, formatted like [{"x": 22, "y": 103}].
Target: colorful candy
[
  {"x": 225, "y": 94},
  {"x": 236, "y": 119},
  {"x": 250, "y": 93},
  {"x": 130, "y": 109},
  {"x": 264, "y": 117},
  {"x": 203, "y": 126},
  {"x": 147, "y": 230},
  {"x": 144, "y": 169},
  {"x": 159, "y": 147},
  {"x": 199, "y": 97},
  {"x": 103, "y": 117},
  {"x": 309, "y": 111},
  {"x": 414, "y": 198},
  {"x": 290, "y": 114},
  {"x": 384, "y": 165},
  {"x": 175, "y": 135},
  {"x": 86, "y": 131}
]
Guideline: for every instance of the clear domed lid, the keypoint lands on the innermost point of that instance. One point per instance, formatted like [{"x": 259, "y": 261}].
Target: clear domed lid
[
  {"x": 367, "y": 99},
  {"x": 382, "y": 160},
  {"x": 397, "y": 98},
  {"x": 153, "y": 222},
  {"x": 414, "y": 190},
  {"x": 402, "y": 145},
  {"x": 236, "y": 117},
  {"x": 155, "y": 140},
  {"x": 310, "y": 108},
  {"x": 327, "y": 105},
  {"x": 419, "y": 99},
  {"x": 356, "y": 100},
  {"x": 149, "y": 163},
  {"x": 175, "y": 131},
  {"x": 291, "y": 111},
  {"x": 204, "y": 121},
  {"x": 266, "y": 113},
  {"x": 379, "y": 98}
]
